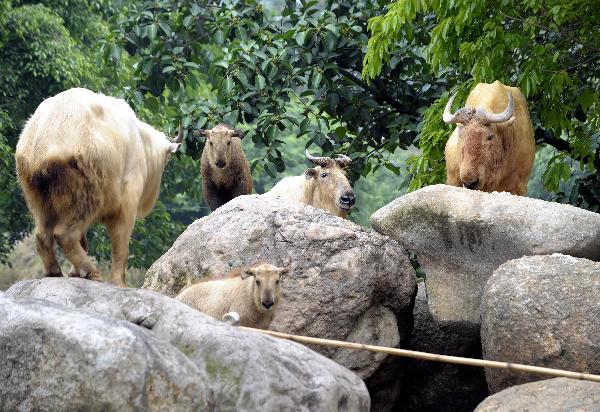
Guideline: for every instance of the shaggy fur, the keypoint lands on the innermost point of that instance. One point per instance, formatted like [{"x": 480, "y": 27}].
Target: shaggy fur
[
  {"x": 82, "y": 158},
  {"x": 224, "y": 168},
  {"x": 499, "y": 155},
  {"x": 245, "y": 291},
  {"x": 321, "y": 187}
]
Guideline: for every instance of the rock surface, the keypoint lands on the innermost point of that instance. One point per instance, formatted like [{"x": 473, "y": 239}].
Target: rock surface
[
  {"x": 544, "y": 311},
  {"x": 345, "y": 283},
  {"x": 434, "y": 386},
  {"x": 58, "y": 359},
  {"x": 552, "y": 395},
  {"x": 461, "y": 236},
  {"x": 241, "y": 370}
]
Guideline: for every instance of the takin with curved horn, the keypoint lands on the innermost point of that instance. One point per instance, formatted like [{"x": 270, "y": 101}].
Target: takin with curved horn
[
  {"x": 492, "y": 148},
  {"x": 325, "y": 186}
]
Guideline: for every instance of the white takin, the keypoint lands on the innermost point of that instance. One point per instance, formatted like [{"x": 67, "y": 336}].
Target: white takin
[
  {"x": 254, "y": 293},
  {"x": 84, "y": 157},
  {"x": 325, "y": 186}
]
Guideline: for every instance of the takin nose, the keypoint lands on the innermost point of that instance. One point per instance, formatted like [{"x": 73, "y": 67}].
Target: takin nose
[
  {"x": 267, "y": 304},
  {"x": 347, "y": 199},
  {"x": 220, "y": 164},
  {"x": 473, "y": 184}
]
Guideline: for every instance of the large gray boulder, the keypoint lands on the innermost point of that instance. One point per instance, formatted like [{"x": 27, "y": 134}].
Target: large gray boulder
[
  {"x": 345, "y": 283},
  {"x": 434, "y": 386},
  {"x": 239, "y": 370},
  {"x": 544, "y": 311},
  {"x": 59, "y": 359},
  {"x": 461, "y": 236},
  {"x": 552, "y": 395}
]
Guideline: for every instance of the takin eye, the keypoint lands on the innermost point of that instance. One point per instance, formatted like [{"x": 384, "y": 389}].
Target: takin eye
[
  {"x": 277, "y": 282},
  {"x": 257, "y": 282},
  {"x": 490, "y": 137},
  {"x": 210, "y": 143},
  {"x": 229, "y": 143},
  {"x": 324, "y": 175}
]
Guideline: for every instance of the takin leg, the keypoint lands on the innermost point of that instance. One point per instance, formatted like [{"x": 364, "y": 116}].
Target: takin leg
[
  {"x": 75, "y": 272},
  {"x": 210, "y": 192},
  {"x": 120, "y": 228},
  {"x": 69, "y": 240},
  {"x": 44, "y": 241},
  {"x": 240, "y": 189}
]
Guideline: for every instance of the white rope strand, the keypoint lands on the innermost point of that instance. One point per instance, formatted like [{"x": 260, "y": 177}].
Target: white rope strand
[{"x": 432, "y": 356}]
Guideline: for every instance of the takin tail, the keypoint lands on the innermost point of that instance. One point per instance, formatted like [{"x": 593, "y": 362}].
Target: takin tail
[{"x": 66, "y": 186}]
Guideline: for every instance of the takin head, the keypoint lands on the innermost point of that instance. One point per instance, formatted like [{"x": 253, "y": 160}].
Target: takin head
[
  {"x": 266, "y": 289},
  {"x": 331, "y": 189},
  {"x": 221, "y": 142},
  {"x": 480, "y": 147}
]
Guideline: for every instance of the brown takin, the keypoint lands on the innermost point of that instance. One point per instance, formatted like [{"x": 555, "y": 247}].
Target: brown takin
[
  {"x": 493, "y": 148},
  {"x": 82, "y": 158},
  {"x": 325, "y": 186},
  {"x": 254, "y": 293},
  {"x": 225, "y": 170}
]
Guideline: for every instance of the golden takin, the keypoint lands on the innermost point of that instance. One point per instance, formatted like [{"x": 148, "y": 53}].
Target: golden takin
[{"x": 492, "y": 148}]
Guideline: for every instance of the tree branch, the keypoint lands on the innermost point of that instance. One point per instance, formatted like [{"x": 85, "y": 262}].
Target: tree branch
[
  {"x": 377, "y": 93},
  {"x": 545, "y": 136}
]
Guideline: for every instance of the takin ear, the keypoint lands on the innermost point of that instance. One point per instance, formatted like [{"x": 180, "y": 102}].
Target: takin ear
[
  {"x": 200, "y": 133},
  {"x": 173, "y": 147},
  {"x": 509, "y": 121},
  {"x": 246, "y": 273},
  {"x": 238, "y": 133},
  {"x": 310, "y": 173},
  {"x": 283, "y": 271}
]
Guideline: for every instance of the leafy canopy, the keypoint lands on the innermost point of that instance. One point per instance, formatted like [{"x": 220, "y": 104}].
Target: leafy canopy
[{"x": 299, "y": 71}]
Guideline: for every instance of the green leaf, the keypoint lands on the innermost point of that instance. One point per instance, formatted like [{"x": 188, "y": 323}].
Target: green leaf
[
  {"x": 300, "y": 37},
  {"x": 316, "y": 80},
  {"x": 260, "y": 82},
  {"x": 152, "y": 103},
  {"x": 587, "y": 98},
  {"x": 165, "y": 28},
  {"x": 228, "y": 85},
  {"x": 115, "y": 52},
  {"x": 242, "y": 78},
  {"x": 152, "y": 31},
  {"x": 192, "y": 65},
  {"x": 333, "y": 99},
  {"x": 329, "y": 40}
]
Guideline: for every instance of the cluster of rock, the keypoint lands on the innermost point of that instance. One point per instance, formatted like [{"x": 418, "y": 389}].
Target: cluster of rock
[
  {"x": 93, "y": 346},
  {"x": 510, "y": 278},
  {"x": 507, "y": 278},
  {"x": 345, "y": 282}
]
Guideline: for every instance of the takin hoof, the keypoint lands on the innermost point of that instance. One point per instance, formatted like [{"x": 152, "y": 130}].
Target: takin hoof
[
  {"x": 93, "y": 276},
  {"x": 74, "y": 274},
  {"x": 53, "y": 274},
  {"x": 118, "y": 280}
]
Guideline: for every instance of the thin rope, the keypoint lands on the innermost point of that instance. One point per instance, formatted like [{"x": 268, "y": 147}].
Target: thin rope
[{"x": 431, "y": 356}]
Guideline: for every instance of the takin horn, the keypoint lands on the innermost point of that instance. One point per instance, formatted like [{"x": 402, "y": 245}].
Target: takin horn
[
  {"x": 321, "y": 161},
  {"x": 179, "y": 137},
  {"x": 448, "y": 116},
  {"x": 488, "y": 118},
  {"x": 463, "y": 115},
  {"x": 343, "y": 160}
]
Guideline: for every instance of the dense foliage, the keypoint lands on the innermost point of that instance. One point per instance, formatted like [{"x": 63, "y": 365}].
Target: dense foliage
[
  {"x": 548, "y": 48},
  {"x": 299, "y": 71}
]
